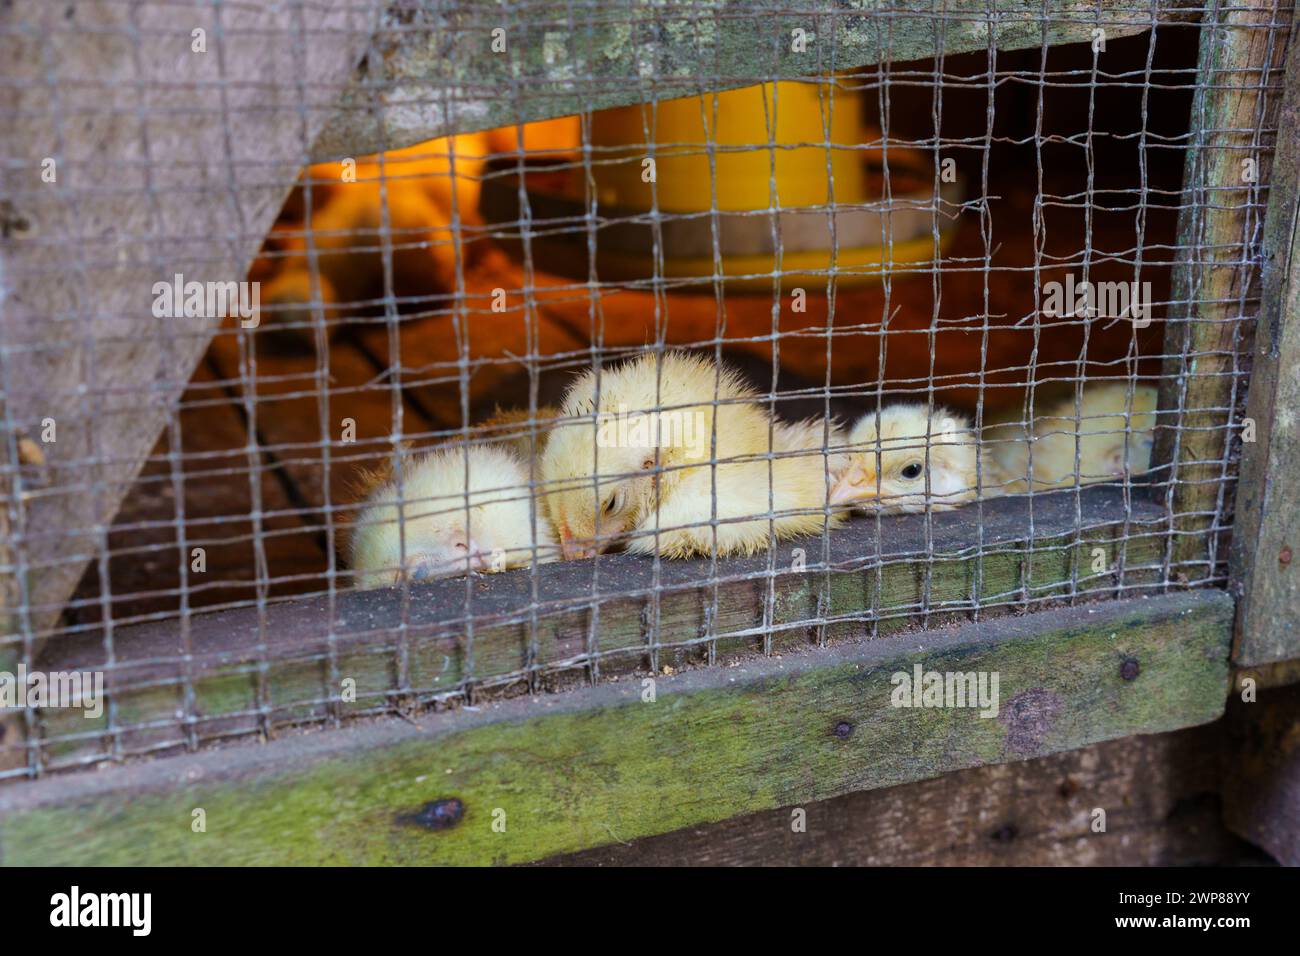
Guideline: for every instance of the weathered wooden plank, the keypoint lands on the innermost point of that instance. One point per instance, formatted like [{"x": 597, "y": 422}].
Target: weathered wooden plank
[
  {"x": 433, "y": 71},
  {"x": 1215, "y": 278},
  {"x": 168, "y": 161},
  {"x": 604, "y": 764},
  {"x": 1266, "y": 576},
  {"x": 258, "y": 669},
  {"x": 1262, "y": 796},
  {"x": 1159, "y": 792}
]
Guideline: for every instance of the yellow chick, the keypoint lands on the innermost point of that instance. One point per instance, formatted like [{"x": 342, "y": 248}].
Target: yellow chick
[
  {"x": 1115, "y": 427},
  {"x": 825, "y": 441},
  {"x": 652, "y": 439},
  {"x": 890, "y": 471},
  {"x": 436, "y": 532}
]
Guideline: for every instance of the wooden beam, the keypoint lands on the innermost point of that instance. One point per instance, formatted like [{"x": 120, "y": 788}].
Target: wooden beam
[
  {"x": 1208, "y": 325},
  {"x": 1159, "y": 793},
  {"x": 259, "y": 670},
  {"x": 167, "y": 160},
  {"x": 607, "y": 764},
  {"x": 1266, "y": 538},
  {"x": 433, "y": 72}
]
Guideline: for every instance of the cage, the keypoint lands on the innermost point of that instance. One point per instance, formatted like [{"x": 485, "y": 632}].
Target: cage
[{"x": 975, "y": 322}]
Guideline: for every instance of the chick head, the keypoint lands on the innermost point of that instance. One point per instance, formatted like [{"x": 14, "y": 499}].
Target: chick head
[
  {"x": 606, "y": 468},
  {"x": 1116, "y": 430},
  {"x": 1106, "y": 457},
  {"x": 592, "y": 509},
  {"x": 887, "y": 468}
]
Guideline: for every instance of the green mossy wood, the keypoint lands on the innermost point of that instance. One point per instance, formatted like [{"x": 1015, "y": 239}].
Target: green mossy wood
[{"x": 600, "y": 765}]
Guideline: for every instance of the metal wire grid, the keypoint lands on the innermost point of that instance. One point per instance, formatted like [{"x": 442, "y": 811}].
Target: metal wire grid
[{"x": 543, "y": 627}]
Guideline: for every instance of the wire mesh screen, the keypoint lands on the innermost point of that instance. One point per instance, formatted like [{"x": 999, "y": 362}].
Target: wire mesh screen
[{"x": 474, "y": 350}]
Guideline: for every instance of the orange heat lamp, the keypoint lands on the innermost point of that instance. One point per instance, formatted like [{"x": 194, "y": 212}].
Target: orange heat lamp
[{"x": 768, "y": 180}]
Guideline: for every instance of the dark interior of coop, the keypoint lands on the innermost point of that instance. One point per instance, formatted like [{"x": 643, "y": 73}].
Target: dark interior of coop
[{"x": 396, "y": 317}]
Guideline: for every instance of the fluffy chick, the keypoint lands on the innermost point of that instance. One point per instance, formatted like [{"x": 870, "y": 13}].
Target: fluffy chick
[
  {"x": 655, "y": 466},
  {"x": 889, "y": 470},
  {"x": 442, "y": 537},
  {"x": 1114, "y": 427}
]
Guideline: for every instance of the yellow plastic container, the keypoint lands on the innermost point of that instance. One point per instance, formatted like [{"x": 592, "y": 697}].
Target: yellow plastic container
[
  {"x": 761, "y": 159},
  {"x": 749, "y": 128}
]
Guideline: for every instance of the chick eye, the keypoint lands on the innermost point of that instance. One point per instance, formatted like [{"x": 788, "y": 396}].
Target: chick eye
[{"x": 911, "y": 471}]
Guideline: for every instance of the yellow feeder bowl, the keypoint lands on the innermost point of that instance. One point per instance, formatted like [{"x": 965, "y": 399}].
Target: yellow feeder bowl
[{"x": 755, "y": 172}]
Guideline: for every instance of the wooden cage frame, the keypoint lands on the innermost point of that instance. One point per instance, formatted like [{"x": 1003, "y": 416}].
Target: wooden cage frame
[{"x": 601, "y": 765}]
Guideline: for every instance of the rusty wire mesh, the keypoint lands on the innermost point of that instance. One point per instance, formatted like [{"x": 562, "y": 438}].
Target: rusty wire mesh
[{"x": 408, "y": 295}]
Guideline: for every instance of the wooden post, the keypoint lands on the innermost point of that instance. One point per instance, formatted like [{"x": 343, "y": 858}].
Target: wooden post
[
  {"x": 1266, "y": 539},
  {"x": 1212, "y": 281}
]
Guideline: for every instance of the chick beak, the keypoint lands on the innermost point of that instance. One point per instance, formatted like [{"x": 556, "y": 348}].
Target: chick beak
[
  {"x": 572, "y": 548},
  {"x": 448, "y": 560},
  {"x": 856, "y": 484}
]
